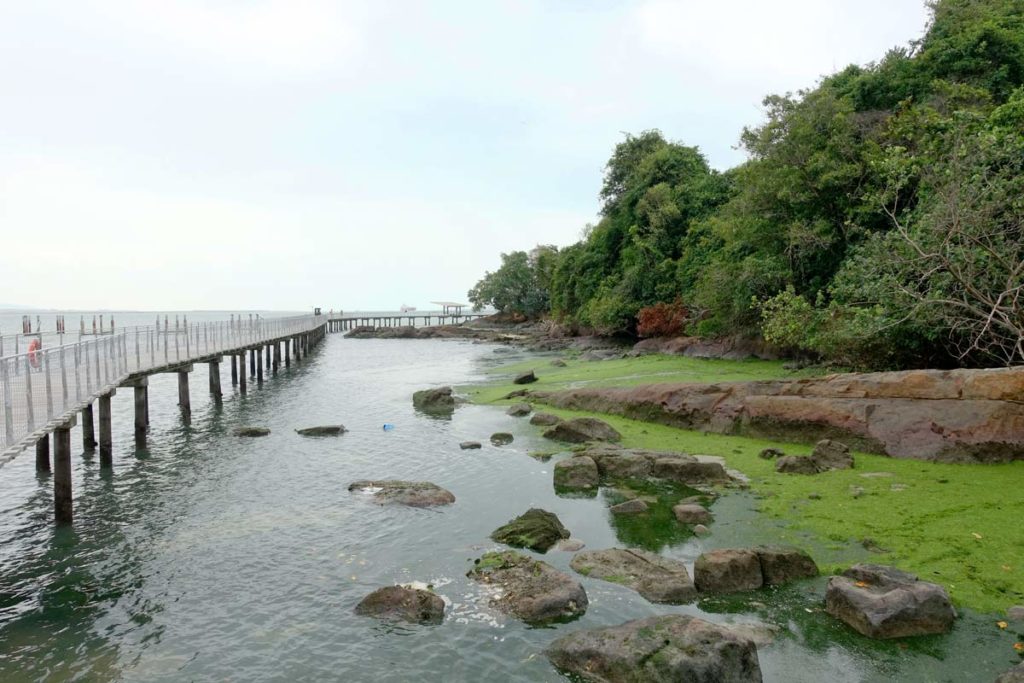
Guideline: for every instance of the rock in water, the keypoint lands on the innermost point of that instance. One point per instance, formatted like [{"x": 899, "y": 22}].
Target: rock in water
[
  {"x": 581, "y": 430},
  {"x": 629, "y": 507},
  {"x": 437, "y": 401},
  {"x": 657, "y": 578},
  {"x": 251, "y": 431},
  {"x": 782, "y": 564},
  {"x": 1014, "y": 675},
  {"x": 519, "y": 410},
  {"x": 469, "y": 445},
  {"x": 576, "y": 473},
  {"x": 661, "y": 649},
  {"x": 501, "y": 438},
  {"x": 325, "y": 430},
  {"x": 418, "y": 494},
  {"x": 1015, "y": 613},
  {"x": 884, "y": 602},
  {"x": 396, "y": 603},
  {"x": 545, "y": 420},
  {"x": 532, "y": 590},
  {"x": 525, "y": 378},
  {"x": 727, "y": 570},
  {"x": 832, "y": 455},
  {"x": 535, "y": 529},
  {"x": 796, "y": 464},
  {"x": 691, "y": 513}
]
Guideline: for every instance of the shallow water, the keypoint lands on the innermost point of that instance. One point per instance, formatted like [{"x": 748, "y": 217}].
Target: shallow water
[{"x": 209, "y": 557}]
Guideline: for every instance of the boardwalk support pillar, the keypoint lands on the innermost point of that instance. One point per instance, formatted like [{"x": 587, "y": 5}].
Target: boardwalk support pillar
[
  {"x": 259, "y": 364},
  {"x": 241, "y": 374},
  {"x": 43, "y": 453},
  {"x": 287, "y": 354},
  {"x": 215, "y": 379},
  {"x": 184, "y": 401},
  {"x": 140, "y": 387},
  {"x": 234, "y": 370},
  {"x": 62, "y": 472},
  {"x": 106, "y": 440},
  {"x": 88, "y": 430}
]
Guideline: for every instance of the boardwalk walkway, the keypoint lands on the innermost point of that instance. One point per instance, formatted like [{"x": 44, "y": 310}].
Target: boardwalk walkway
[{"x": 43, "y": 389}]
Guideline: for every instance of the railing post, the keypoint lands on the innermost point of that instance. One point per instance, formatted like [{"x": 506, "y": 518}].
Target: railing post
[
  {"x": 8, "y": 399},
  {"x": 49, "y": 386},
  {"x": 106, "y": 440},
  {"x": 30, "y": 409},
  {"x": 63, "y": 381}
]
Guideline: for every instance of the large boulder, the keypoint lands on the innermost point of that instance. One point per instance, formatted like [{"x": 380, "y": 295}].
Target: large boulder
[
  {"x": 583, "y": 429},
  {"x": 535, "y": 529},
  {"x": 884, "y": 602},
  {"x": 657, "y": 578},
  {"x": 545, "y": 420},
  {"x": 796, "y": 464},
  {"x": 439, "y": 401},
  {"x": 728, "y": 570},
  {"x": 832, "y": 455},
  {"x": 660, "y": 649},
  {"x": 525, "y": 378},
  {"x": 324, "y": 430},
  {"x": 688, "y": 470},
  {"x": 531, "y": 590},
  {"x": 614, "y": 462},
  {"x": 397, "y": 603},
  {"x": 692, "y": 513},
  {"x": 519, "y": 410},
  {"x": 417, "y": 494},
  {"x": 621, "y": 463},
  {"x": 1014, "y": 675},
  {"x": 579, "y": 472},
  {"x": 782, "y": 564}
]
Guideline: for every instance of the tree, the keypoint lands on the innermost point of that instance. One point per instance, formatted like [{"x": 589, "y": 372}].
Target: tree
[{"x": 520, "y": 285}]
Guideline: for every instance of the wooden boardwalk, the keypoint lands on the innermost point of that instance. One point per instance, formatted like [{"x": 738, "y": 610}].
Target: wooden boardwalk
[{"x": 341, "y": 323}]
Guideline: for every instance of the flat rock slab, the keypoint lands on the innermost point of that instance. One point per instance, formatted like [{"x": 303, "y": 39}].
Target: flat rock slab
[
  {"x": 439, "y": 401},
  {"x": 661, "y": 649},
  {"x": 250, "y": 431},
  {"x": 519, "y": 410},
  {"x": 545, "y": 420},
  {"x": 470, "y": 445},
  {"x": 692, "y": 513},
  {"x": 324, "y": 430},
  {"x": 570, "y": 545},
  {"x": 884, "y": 602},
  {"x": 630, "y": 507},
  {"x": 397, "y": 603},
  {"x": 535, "y": 529},
  {"x": 614, "y": 462},
  {"x": 418, "y": 494},
  {"x": 581, "y": 430},
  {"x": 501, "y": 439},
  {"x": 727, "y": 570},
  {"x": 579, "y": 472},
  {"x": 531, "y": 590},
  {"x": 657, "y": 578}
]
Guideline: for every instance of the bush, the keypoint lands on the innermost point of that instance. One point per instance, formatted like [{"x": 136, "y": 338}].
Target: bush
[{"x": 662, "y": 320}]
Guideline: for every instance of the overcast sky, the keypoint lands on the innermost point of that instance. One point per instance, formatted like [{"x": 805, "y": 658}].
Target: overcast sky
[{"x": 281, "y": 154}]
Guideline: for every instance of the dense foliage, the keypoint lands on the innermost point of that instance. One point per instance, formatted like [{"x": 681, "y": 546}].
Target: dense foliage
[{"x": 877, "y": 221}]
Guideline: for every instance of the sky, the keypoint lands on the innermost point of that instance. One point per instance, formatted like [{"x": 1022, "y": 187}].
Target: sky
[{"x": 284, "y": 154}]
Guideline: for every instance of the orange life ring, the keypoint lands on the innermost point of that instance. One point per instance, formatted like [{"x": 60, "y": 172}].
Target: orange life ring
[{"x": 33, "y": 352}]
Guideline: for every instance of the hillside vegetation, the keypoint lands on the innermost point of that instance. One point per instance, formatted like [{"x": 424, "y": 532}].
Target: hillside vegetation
[{"x": 878, "y": 221}]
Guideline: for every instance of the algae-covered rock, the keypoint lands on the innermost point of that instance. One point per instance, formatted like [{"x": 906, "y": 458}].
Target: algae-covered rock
[
  {"x": 535, "y": 529},
  {"x": 411, "y": 493},
  {"x": 657, "y": 578},
  {"x": 519, "y": 410},
  {"x": 501, "y": 438},
  {"x": 581, "y": 430},
  {"x": 251, "y": 431},
  {"x": 727, "y": 570},
  {"x": 323, "y": 430},
  {"x": 545, "y": 420},
  {"x": 439, "y": 401},
  {"x": 397, "y": 603},
  {"x": 525, "y": 378},
  {"x": 576, "y": 473},
  {"x": 531, "y": 590}
]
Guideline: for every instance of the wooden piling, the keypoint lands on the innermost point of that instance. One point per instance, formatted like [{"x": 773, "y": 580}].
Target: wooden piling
[
  {"x": 259, "y": 365},
  {"x": 88, "y": 430},
  {"x": 269, "y": 362},
  {"x": 241, "y": 375},
  {"x": 62, "y": 511},
  {"x": 43, "y": 453},
  {"x": 287, "y": 355},
  {"x": 252, "y": 362},
  {"x": 184, "y": 400},
  {"x": 141, "y": 395},
  {"x": 234, "y": 370},
  {"x": 106, "y": 440},
  {"x": 215, "y": 379},
  {"x": 275, "y": 350}
]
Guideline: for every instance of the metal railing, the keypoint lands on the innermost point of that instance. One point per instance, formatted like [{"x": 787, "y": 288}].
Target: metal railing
[{"x": 45, "y": 386}]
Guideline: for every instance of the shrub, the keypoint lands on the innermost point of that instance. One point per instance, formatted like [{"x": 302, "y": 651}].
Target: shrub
[{"x": 662, "y": 320}]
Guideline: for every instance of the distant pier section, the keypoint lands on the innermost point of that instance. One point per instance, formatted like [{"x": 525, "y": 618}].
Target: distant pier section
[{"x": 451, "y": 314}]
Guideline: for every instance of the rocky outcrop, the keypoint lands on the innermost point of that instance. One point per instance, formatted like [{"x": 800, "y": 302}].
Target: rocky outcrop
[
  {"x": 535, "y": 529},
  {"x": 324, "y": 430},
  {"x": 582, "y": 430},
  {"x": 417, "y": 494},
  {"x": 731, "y": 570},
  {"x": 525, "y": 378},
  {"x": 439, "y": 401},
  {"x": 661, "y": 649},
  {"x": 519, "y": 410},
  {"x": 884, "y": 602},
  {"x": 545, "y": 420},
  {"x": 397, "y": 603},
  {"x": 657, "y": 578},
  {"x": 696, "y": 347},
  {"x": 634, "y": 463},
  {"x": 941, "y": 415},
  {"x": 531, "y": 590},
  {"x": 501, "y": 438},
  {"x": 250, "y": 431},
  {"x": 579, "y": 472}
]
